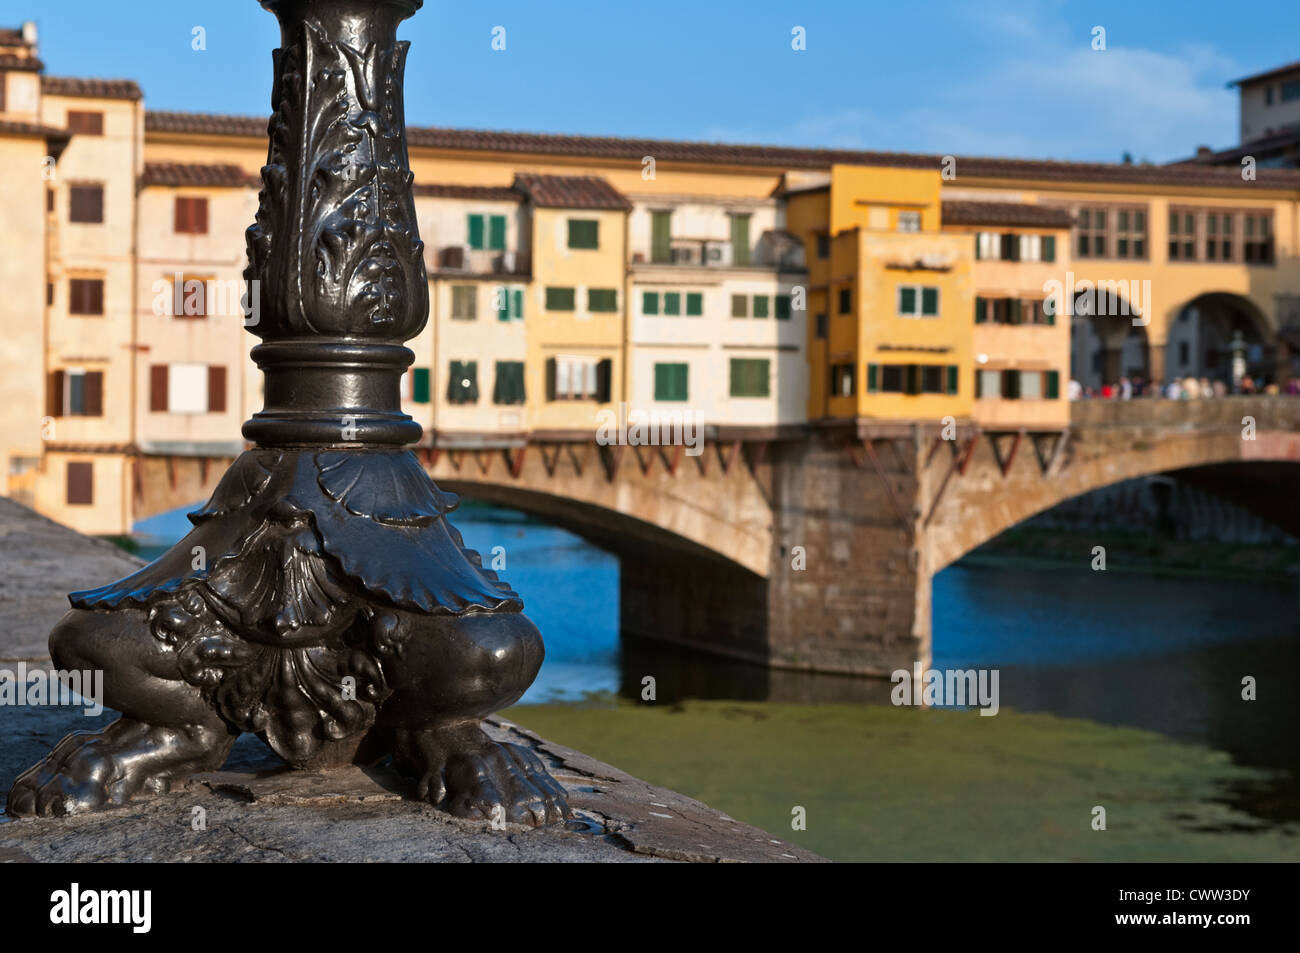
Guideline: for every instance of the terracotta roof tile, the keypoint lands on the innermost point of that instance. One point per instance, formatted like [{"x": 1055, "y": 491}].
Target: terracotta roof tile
[
  {"x": 193, "y": 175},
  {"x": 31, "y": 64},
  {"x": 486, "y": 193},
  {"x": 213, "y": 123},
  {"x": 1005, "y": 213},
  {"x": 14, "y": 127},
  {"x": 571, "y": 191},
  {"x": 96, "y": 88},
  {"x": 773, "y": 157}
]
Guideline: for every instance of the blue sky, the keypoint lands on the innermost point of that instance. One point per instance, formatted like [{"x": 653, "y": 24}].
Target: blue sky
[{"x": 994, "y": 78}]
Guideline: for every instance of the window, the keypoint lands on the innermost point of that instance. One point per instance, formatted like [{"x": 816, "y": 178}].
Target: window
[
  {"x": 912, "y": 378},
  {"x": 584, "y": 233},
  {"x": 739, "y": 306},
  {"x": 84, "y": 123},
  {"x": 86, "y": 296},
  {"x": 740, "y": 239},
  {"x": 909, "y": 221},
  {"x": 1218, "y": 237},
  {"x": 602, "y": 299},
  {"x": 1290, "y": 90},
  {"x": 842, "y": 382},
  {"x": 1268, "y": 95},
  {"x": 1257, "y": 241},
  {"x": 823, "y": 325},
  {"x": 661, "y": 237},
  {"x": 650, "y": 302},
  {"x": 86, "y": 204},
  {"x": 1031, "y": 248},
  {"x": 1031, "y": 385},
  {"x": 509, "y": 386},
  {"x": 823, "y": 247},
  {"x": 670, "y": 381},
  {"x": 508, "y": 303},
  {"x": 191, "y": 301},
  {"x": 672, "y": 303},
  {"x": 190, "y": 216},
  {"x": 578, "y": 378},
  {"x": 988, "y": 383},
  {"x": 846, "y": 301},
  {"x": 918, "y": 301},
  {"x": 783, "y": 307},
  {"x": 560, "y": 299},
  {"x": 1131, "y": 233},
  {"x": 420, "y": 389},
  {"x": 760, "y": 306},
  {"x": 464, "y": 302},
  {"x": 75, "y": 393},
  {"x": 80, "y": 489},
  {"x": 1091, "y": 231},
  {"x": 1182, "y": 235},
  {"x": 750, "y": 377},
  {"x": 694, "y": 304},
  {"x": 187, "y": 388},
  {"x": 487, "y": 232},
  {"x": 988, "y": 245},
  {"x": 462, "y": 382}
]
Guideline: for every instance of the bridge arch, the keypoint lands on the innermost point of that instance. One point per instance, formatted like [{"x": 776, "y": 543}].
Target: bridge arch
[
  {"x": 1105, "y": 343},
  {"x": 1206, "y": 331}
]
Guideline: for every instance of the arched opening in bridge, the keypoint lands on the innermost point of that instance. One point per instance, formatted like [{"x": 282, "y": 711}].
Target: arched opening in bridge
[
  {"x": 1106, "y": 345},
  {"x": 1145, "y": 603},
  {"x": 1221, "y": 337}
]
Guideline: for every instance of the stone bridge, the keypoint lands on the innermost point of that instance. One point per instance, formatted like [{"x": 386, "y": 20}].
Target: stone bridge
[{"x": 814, "y": 547}]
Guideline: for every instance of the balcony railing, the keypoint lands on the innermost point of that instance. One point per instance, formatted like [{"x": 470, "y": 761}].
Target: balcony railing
[{"x": 463, "y": 260}]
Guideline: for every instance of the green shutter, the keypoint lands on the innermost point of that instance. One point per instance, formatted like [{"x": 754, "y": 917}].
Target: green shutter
[
  {"x": 602, "y": 299},
  {"x": 783, "y": 307},
  {"x": 661, "y": 237},
  {"x": 559, "y": 299},
  {"x": 584, "y": 233},
  {"x": 1013, "y": 311},
  {"x": 981, "y": 311},
  {"x": 952, "y": 379},
  {"x": 977, "y": 246},
  {"x": 760, "y": 306},
  {"x": 1049, "y": 248},
  {"x": 906, "y": 300},
  {"x": 670, "y": 381},
  {"x": 694, "y": 304},
  {"x": 739, "y": 306},
  {"x": 475, "y": 233},
  {"x": 873, "y": 378},
  {"x": 420, "y": 385},
  {"x": 740, "y": 240},
  {"x": 650, "y": 302},
  {"x": 749, "y": 377},
  {"x": 1053, "y": 385},
  {"x": 913, "y": 379},
  {"x": 672, "y": 302},
  {"x": 497, "y": 233},
  {"x": 517, "y": 304},
  {"x": 929, "y": 301}
]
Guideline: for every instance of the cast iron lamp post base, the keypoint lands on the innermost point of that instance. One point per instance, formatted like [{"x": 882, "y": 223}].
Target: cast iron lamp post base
[{"x": 322, "y": 601}]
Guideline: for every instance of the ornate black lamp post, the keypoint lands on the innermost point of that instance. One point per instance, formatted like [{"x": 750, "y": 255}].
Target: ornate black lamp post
[{"x": 322, "y": 599}]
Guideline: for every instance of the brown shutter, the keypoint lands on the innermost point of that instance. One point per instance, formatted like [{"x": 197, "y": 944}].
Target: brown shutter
[
  {"x": 550, "y": 378},
  {"x": 180, "y": 215},
  {"x": 158, "y": 388},
  {"x": 81, "y": 483},
  {"x": 97, "y": 296},
  {"x": 94, "y": 394},
  {"x": 216, "y": 389},
  {"x": 199, "y": 218},
  {"x": 54, "y": 395}
]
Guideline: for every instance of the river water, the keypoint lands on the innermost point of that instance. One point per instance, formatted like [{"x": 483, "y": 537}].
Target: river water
[{"x": 1165, "y": 653}]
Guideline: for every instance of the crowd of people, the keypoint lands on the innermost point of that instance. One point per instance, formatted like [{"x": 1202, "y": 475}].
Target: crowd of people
[{"x": 1181, "y": 388}]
